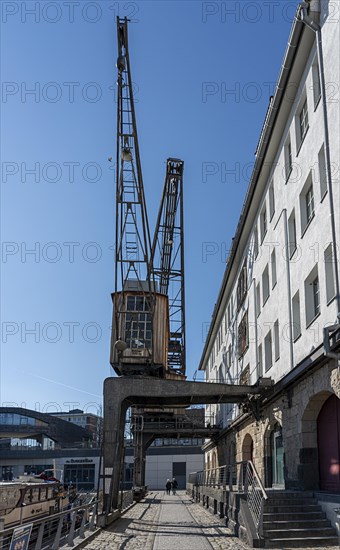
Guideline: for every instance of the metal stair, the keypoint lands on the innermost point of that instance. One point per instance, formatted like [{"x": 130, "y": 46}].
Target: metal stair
[{"x": 296, "y": 520}]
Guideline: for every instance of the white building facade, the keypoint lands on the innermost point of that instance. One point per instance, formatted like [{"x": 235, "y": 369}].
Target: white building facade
[{"x": 281, "y": 284}]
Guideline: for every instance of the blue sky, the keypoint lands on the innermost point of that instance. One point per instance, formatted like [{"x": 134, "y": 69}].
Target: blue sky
[{"x": 203, "y": 74}]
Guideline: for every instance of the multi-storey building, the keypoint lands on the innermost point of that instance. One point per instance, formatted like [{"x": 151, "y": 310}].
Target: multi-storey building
[{"x": 281, "y": 283}]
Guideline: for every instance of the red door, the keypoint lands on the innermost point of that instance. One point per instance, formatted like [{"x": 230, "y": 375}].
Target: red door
[{"x": 328, "y": 425}]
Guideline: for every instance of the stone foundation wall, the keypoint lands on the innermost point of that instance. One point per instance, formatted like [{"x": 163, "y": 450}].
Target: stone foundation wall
[
  {"x": 231, "y": 508},
  {"x": 296, "y": 410}
]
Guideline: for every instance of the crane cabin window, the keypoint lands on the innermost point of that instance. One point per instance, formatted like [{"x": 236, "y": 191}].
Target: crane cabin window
[{"x": 138, "y": 323}]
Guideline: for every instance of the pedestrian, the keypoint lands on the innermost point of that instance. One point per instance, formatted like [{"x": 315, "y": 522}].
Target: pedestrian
[
  {"x": 174, "y": 485},
  {"x": 168, "y": 487}
]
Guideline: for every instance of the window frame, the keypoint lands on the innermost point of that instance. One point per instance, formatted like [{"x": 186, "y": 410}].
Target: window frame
[{"x": 303, "y": 120}]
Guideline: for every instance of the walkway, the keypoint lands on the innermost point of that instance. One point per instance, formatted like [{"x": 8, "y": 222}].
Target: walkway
[{"x": 163, "y": 522}]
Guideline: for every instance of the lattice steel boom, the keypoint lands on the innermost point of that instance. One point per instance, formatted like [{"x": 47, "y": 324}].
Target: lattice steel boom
[
  {"x": 167, "y": 260},
  {"x": 133, "y": 242}
]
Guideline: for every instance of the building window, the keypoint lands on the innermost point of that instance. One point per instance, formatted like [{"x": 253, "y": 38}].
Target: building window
[
  {"x": 271, "y": 200},
  {"x": 307, "y": 204},
  {"x": 220, "y": 374},
  {"x": 258, "y": 299},
  {"x": 316, "y": 82},
  {"x": 303, "y": 121},
  {"x": 245, "y": 376},
  {"x": 322, "y": 172},
  {"x": 296, "y": 316},
  {"x": 80, "y": 475},
  {"x": 312, "y": 296},
  {"x": 316, "y": 296},
  {"x": 273, "y": 262},
  {"x": 288, "y": 159},
  {"x": 138, "y": 323},
  {"x": 263, "y": 223},
  {"x": 276, "y": 340},
  {"x": 242, "y": 285},
  {"x": 260, "y": 362},
  {"x": 230, "y": 357},
  {"x": 265, "y": 285},
  {"x": 243, "y": 335},
  {"x": 291, "y": 234},
  {"x": 329, "y": 272},
  {"x": 268, "y": 351},
  {"x": 7, "y": 473}
]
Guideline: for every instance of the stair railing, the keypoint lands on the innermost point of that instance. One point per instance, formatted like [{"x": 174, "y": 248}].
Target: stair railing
[
  {"x": 240, "y": 477},
  {"x": 256, "y": 494}
]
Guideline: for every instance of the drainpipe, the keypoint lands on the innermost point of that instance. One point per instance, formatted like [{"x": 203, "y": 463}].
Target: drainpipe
[
  {"x": 256, "y": 334},
  {"x": 314, "y": 26}
]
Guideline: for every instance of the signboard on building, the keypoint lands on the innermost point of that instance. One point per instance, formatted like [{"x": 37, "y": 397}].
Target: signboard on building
[{"x": 21, "y": 537}]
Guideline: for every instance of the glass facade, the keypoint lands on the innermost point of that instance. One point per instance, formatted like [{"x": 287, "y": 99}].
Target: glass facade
[
  {"x": 80, "y": 476},
  {"x": 11, "y": 419}
]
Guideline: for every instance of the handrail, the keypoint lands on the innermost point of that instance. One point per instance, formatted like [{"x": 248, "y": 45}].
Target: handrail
[
  {"x": 264, "y": 492},
  {"x": 63, "y": 524},
  {"x": 240, "y": 477}
]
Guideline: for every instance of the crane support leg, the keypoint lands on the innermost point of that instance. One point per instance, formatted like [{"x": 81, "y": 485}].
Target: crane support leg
[
  {"x": 142, "y": 442},
  {"x": 121, "y": 393},
  {"x": 114, "y": 424}
]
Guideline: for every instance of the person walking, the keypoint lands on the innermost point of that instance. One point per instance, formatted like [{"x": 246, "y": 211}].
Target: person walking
[
  {"x": 174, "y": 485},
  {"x": 168, "y": 487}
]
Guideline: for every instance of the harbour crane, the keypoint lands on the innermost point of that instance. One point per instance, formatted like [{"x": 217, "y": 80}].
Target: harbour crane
[{"x": 148, "y": 325}]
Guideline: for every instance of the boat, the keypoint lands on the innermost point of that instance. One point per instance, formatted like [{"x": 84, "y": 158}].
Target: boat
[{"x": 31, "y": 497}]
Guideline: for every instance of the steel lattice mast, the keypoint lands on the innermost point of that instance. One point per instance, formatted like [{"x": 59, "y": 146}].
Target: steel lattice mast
[
  {"x": 133, "y": 243},
  {"x": 167, "y": 260}
]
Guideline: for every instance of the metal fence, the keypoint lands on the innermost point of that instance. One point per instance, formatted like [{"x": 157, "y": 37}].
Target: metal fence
[
  {"x": 240, "y": 477},
  {"x": 57, "y": 530}
]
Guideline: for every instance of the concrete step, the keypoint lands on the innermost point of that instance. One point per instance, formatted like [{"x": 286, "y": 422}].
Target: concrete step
[
  {"x": 300, "y": 533},
  {"x": 270, "y": 509},
  {"x": 295, "y": 524},
  {"x": 267, "y": 517},
  {"x": 277, "y": 501},
  {"x": 310, "y": 542},
  {"x": 272, "y": 493}
]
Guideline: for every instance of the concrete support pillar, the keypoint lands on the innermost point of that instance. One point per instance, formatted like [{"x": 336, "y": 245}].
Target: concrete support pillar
[
  {"x": 114, "y": 422},
  {"x": 138, "y": 459},
  {"x": 143, "y": 442}
]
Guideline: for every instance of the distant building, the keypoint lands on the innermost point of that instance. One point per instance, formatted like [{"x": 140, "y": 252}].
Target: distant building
[
  {"x": 91, "y": 422},
  {"x": 281, "y": 283},
  {"x": 31, "y": 442}
]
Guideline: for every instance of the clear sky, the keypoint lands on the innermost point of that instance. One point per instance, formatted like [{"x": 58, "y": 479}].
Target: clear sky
[{"x": 203, "y": 74}]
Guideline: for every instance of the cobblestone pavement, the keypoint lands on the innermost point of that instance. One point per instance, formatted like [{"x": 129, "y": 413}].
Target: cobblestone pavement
[{"x": 163, "y": 522}]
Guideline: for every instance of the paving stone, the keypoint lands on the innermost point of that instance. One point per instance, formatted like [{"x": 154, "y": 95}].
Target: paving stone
[{"x": 169, "y": 522}]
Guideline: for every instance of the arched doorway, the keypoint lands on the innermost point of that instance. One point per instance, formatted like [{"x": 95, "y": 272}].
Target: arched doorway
[
  {"x": 328, "y": 430},
  {"x": 248, "y": 448},
  {"x": 276, "y": 453}
]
